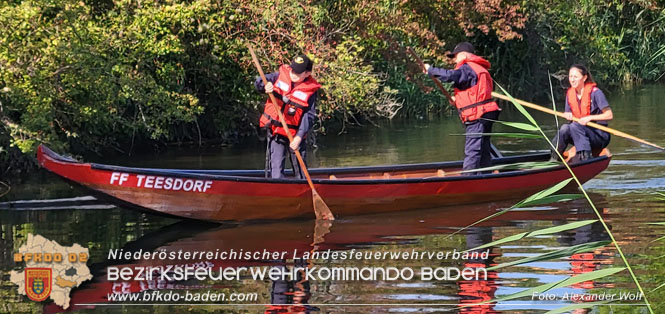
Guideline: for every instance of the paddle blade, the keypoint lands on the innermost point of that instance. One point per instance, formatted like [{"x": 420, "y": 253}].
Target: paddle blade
[
  {"x": 321, "y": 228},
  {"x": 320, "y": 208}
]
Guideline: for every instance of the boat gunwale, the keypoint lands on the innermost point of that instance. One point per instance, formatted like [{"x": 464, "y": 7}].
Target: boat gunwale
[{"x": 196, "y": 174}]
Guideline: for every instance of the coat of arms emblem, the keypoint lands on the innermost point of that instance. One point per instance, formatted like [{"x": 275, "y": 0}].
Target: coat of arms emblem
[{"x": 38, "y": 283}]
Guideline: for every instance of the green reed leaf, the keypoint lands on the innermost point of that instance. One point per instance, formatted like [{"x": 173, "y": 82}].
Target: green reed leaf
[
  {"x": 559, "y": 284},
  {"x": 517, "y": 125},
  {"x": 659, "y": 239},
  {"x": 517, "y": 166},
  {"x": 589, "y": 276},
  {"x": 539, "y": 164},
  {"x": 535, "y": 197},
  {"x": 553, "y": 199},
  {"x": 657, "y": 55},
  {"x": 546, "y": 231},
  {"x": 564, "y": 252},
  {"x": 542, "y": 194},
  {"x": 519, "y": 107},
  {"x": 557, "y": 229},
  {"x": 507, "y": 239},
  {"x": 511, "y": 135},
  {"x": 656, "y": 288}
]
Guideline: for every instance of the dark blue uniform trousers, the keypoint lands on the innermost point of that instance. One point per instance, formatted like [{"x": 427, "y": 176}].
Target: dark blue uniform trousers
[
  {"x": 477, "y": 148},
  {"x": 583, "y": 137},
  {"x": 278, "y": 146}
]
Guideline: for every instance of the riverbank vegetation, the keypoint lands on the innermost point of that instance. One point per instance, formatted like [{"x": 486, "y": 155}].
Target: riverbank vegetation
[{"x": 99, "y": 75}]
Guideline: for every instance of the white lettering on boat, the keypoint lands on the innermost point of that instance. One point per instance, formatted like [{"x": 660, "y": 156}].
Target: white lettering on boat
[
  {"x": 120, "y": 177},
  {"x": 160, "y": 182}
]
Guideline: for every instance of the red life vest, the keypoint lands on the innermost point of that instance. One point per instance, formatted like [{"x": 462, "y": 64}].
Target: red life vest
[
  {"x": 476, "y": 100},
  {"x": 298, "y": 97},
  {"x": 583, "y": 109}
]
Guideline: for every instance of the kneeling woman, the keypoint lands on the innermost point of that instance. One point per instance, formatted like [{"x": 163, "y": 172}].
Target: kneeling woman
[{"x": 587, "y": 103}]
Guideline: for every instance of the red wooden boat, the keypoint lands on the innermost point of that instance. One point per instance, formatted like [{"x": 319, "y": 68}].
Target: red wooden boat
[{"x": 223, "y": 195}]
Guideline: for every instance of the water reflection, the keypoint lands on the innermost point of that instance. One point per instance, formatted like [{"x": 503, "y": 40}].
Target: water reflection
[
  {"x": 291, "y": 296},
  {"x": 420, "y": 230},
  {"x": 586, "y": 262},
  {"x": 478, "y": 291}
]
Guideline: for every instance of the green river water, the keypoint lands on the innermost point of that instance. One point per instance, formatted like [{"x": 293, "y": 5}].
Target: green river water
[{"x": 625, "y": 193}]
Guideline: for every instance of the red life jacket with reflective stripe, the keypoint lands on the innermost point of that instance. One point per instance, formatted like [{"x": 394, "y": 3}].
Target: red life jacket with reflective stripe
[
  {"x": 476, "y": 100},
  {"x": 582, "y": 109},
  {"x": 298, "y": 97}
]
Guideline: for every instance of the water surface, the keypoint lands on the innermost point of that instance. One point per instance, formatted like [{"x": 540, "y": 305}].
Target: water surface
[{"x": 624, "y": 193}]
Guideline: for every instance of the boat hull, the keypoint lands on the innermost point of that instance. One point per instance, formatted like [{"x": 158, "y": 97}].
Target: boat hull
[{"x": 225, "y": 195}]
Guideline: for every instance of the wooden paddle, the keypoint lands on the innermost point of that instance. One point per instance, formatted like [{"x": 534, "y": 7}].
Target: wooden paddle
[
  {"x": 591, "y": 124},
  {"x": 320, "y": 208}
]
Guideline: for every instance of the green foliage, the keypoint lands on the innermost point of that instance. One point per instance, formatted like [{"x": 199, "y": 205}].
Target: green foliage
[
  {"x": 86, "y": 76},
  {"x": 352, "y": 93},
  {"x": 620, "y": 41},
  {"x": 94, "y": 83}
]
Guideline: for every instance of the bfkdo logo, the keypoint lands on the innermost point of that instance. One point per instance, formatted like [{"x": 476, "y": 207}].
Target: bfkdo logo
[
  {"x": 51, "y": 270},
  {"x": 38, "y": 283}
]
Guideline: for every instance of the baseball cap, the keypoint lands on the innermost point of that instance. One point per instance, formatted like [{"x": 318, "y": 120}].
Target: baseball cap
[
  {"x": 463, "y": 46},
  {"x": 301, "y": 63}
]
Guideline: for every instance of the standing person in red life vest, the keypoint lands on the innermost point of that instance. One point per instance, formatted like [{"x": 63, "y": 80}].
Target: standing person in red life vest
[
  {"x": 296, "y": 93},
  {"x": 588, "y": 103},
  {"x": 473, "y": 91}
]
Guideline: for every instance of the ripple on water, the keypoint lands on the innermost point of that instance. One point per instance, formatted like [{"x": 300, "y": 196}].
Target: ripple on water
[{"x": 628, "y": 176}]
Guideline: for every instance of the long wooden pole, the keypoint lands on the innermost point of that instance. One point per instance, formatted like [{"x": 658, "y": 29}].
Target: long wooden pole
[
  {"x": 436, "y": 81},
  {"x": 321, "y": 210},
  {"x": 591, "y": 124}
]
